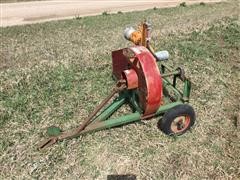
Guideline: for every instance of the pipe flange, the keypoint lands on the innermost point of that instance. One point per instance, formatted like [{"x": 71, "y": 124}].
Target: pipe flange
[{"x": 181, "y": 73}]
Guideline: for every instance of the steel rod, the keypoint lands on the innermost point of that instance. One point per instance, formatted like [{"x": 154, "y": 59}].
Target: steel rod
[
  {"x": 170, "y": 74},
  {"x": 108, "y": 111}
]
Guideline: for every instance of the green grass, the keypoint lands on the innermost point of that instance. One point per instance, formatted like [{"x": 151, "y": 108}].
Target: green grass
[{"x": 55, "y": 73}]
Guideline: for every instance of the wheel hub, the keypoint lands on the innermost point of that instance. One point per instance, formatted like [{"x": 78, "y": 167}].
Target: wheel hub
[{"x": 180, "y": 124}]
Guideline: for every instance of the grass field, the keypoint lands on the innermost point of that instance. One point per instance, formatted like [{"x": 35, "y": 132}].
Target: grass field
[{"x": 55, "y": 73}]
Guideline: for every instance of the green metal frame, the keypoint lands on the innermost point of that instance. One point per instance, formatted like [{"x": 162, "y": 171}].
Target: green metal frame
[
  {"x": 95, "y": 122},
  {"x": 100, "y": 123},
  {"x": 103, "y": 120}
]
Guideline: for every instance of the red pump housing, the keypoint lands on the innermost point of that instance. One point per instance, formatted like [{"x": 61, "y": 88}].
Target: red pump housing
[{"x": 139, "y": 68}]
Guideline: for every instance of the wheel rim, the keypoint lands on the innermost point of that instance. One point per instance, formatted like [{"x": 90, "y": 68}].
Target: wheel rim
[{"x": 180, "y": 124}]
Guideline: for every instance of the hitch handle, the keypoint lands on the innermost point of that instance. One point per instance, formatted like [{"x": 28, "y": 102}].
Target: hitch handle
[{"x": 121, "y": 85}]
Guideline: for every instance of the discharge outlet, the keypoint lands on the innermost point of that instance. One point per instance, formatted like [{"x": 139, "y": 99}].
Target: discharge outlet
[
  {"x": 131, "y": 77},
  {"x": 162, "y": 55}
]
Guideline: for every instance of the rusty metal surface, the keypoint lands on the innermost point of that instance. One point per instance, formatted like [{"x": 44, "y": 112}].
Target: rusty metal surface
[{"x": 119, "y": 63}]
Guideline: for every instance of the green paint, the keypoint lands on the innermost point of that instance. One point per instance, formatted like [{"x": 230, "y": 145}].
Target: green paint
[
  {"x": 166, "y": 107},
  {"x": 133, "y": 100},
  {"x": 122, "y": 120},
  {"x": 186, "y": 90},
  {"x": 170, "y": 74},
  {"x": 53, "y": 131},
  {"x": 114, "y": 106},
  {"x": 167, "y": 84},
  {"x": 112, "y": 122},
  {"x": 96, "y": 126}
]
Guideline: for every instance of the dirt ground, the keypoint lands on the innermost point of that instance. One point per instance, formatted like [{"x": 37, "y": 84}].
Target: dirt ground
[{"x": 40, "y": 11}]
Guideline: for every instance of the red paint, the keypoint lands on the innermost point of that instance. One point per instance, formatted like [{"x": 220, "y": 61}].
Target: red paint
[
  {"x": 149, "y": 79},
  {"x": 184, "y": 120},
  {"x": 119, "y": 63},
  {"x": 131, "y": 77}
]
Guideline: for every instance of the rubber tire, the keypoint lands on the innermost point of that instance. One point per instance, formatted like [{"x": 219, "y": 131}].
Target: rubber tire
[{"x": 180, "y": 110}]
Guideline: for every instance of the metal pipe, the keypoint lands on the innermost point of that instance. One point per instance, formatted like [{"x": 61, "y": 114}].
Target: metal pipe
[
  {"x": 116, "y": 104},
  {"x": 125, "y": 119},
  {"x": 168, "y": 68},
  {"x": 186, "y": 90},
  {"x": 170, "y": 74},
  {"x": 112, "y": 122},
  {"x": 167, "y": 83},
  {"x": 166, "y": 107}
]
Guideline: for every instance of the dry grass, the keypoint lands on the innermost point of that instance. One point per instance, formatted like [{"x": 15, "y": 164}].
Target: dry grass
[{"x": 56, "y": 72}]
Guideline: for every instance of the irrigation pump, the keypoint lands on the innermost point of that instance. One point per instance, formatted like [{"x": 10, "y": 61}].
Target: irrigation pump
[{"x": 146, "y": 84}]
